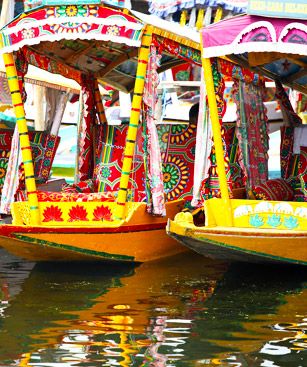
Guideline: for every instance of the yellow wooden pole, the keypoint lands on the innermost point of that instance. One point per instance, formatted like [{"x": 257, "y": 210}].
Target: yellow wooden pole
[
  {"x": 26, "y": 152},
  {"x": 100, "y": 108},
  {"x": 134, "y": 120},
  {"x": 183, "y": 18},
  {"x": 200, "y": 18},
  {"x": 217, "y": 137},
  {"x": 218, "y": 14}
]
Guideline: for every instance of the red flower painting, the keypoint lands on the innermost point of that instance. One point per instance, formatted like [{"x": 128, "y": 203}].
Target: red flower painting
[
  {"x": 77, "y": 213},
  {"x": 102, "y": 213},
  {"x": 52, "y": 213}
]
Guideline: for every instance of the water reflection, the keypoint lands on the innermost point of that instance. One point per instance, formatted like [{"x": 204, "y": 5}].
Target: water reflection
[{"x": 183, "y": 311}]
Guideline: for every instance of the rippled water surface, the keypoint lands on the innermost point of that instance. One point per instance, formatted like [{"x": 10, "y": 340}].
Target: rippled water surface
[{"x": 182, "y": 311}]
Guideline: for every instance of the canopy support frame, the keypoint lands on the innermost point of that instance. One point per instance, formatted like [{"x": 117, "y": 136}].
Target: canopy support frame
[
  {"x": 143, "y": 57},
  {"x": 24, "y": 140},
  {"x": 217, "y": 138}
]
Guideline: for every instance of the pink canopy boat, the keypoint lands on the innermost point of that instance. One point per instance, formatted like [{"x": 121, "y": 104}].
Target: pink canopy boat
[{"x": 265, "y": 227}]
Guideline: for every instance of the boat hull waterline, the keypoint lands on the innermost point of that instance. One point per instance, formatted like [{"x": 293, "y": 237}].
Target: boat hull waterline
[
  {"x": 132, "y": 243},
  {"x": 242, "y": 244}
]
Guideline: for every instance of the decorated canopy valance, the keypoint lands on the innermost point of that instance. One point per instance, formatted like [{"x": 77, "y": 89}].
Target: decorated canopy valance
[
  {"x": 30, "y": 4},
  {"x": 72, "y": 22},
  {"x": 277, "y": 46},
  {"x": 94, "y": 39},
  {"x": 163, "y": 8}
]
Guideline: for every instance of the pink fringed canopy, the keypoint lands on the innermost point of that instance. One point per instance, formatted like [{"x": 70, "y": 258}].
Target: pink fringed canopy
[{"x": 278, "y": 46}]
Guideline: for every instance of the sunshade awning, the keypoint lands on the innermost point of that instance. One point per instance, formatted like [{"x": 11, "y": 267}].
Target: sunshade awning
[
  {"x": 92, "y": 39},
  {"x": 275, "y": 47},
  {"x": 163, "y": 8}
]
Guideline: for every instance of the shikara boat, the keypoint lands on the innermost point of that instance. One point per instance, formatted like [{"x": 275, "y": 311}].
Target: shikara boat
[
  {"x": 267, "y": 221},
  {"x": 91, "y": 44}
]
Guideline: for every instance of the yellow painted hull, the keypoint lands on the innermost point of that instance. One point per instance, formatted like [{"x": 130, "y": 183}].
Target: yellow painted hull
[
  {"x": 141, "y": 239},
  {"x": 242, "y": 244}
]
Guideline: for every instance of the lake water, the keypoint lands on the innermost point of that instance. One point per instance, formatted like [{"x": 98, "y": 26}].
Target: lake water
[{"x": 182, "y": 311}]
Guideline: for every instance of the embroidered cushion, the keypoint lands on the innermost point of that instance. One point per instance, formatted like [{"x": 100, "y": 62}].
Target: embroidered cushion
[{"x": 276, "y": 190}]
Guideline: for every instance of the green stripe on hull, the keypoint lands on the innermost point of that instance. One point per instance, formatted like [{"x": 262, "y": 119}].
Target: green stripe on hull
[
  {"x": 101, "y": 254},
  {"x": 250, "y": 252}
]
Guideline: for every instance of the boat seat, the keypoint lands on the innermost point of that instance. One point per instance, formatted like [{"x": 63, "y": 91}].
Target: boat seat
[{"x": 107, "y": 171}]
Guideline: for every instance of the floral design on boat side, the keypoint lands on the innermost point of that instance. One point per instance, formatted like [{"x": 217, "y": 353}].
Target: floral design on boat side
[
  {"x": 256, "y": 221},
  {"x": 52, "y": 213},
  {"x": 102, "y": 213},
  {"x": 274, "y": 220},
  {"x": 281, "y": 215},
  {"x": 77, "y": 213},
  {"x": 291, "y": 222}
]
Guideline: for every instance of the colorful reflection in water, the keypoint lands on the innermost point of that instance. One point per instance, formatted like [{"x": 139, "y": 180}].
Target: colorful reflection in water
[{"x": 183, "y": 311}]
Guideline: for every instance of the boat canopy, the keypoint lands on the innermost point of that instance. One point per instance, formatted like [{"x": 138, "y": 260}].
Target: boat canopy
[
  {"x": 273, "y": 46},
  {"x": 70, "y": 40},
  {"x": 164, "y": 8}
]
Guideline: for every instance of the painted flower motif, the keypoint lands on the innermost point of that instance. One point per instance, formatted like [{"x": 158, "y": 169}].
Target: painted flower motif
[
  {"x": 256, "y": 220},
  {"x": 175, "y": 177},
  {"x": 65, "y": 11},
  {"x": 71, "y": 10},
  {"x": 163, "y": 134},
  {"x": 170, "y": 176},
  {"x": 50, "y": 144},
  {"x": 181, "y": 133},
  {"x": 102, "y": 213},
  {"x": 113, "y": 30},
  {"x": 291, "y": 222},
  {"x": 105, "y": 172},
  {"x": 77, "y": 213},
  {"x": 4, "y": 159},
  {"x": 52, "y": 213},
  {"x": 27, "y": 33},
  {"x": 274, "y": 220},
  {"x": 45, "y": 172}
]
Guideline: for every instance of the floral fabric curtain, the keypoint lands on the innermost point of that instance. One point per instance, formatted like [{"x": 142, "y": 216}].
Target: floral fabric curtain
[
  {"x": 154, "y": 177},
  {"x": 252, "y": 132},
  {"x": 210, "y": 185},
  {"x": 87, "y": 121},
  {"x": 203, "y": 144}
]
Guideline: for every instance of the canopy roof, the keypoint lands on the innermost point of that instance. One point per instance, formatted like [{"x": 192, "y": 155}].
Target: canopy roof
[
  {"x": 163, "y": 8},
  {"x": 274, "y": 47},
  {"x": 94, "y": 39}
]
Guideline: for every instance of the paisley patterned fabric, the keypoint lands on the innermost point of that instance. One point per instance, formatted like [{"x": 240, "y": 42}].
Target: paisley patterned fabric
[
  {"x": 252, "y": 132},
  {"x": 43, "y": 146},
  {"x": 277, "y": 190}
]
